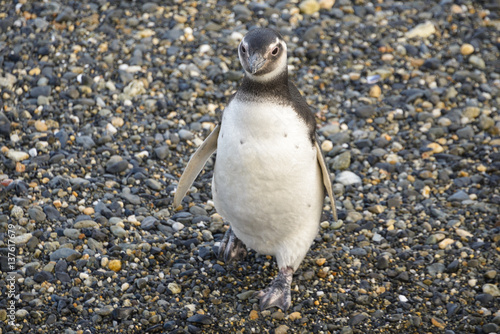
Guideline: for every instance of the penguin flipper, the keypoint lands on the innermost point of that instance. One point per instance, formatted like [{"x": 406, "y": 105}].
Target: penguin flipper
[
  {"x": 195, "y": 165},
  {"x": 326, "y": 178}
]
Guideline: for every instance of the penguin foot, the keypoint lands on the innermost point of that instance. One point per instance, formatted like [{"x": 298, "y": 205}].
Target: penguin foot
[
  {"x": 231, "y": 248},
  {"x": 278, "y": 292}
]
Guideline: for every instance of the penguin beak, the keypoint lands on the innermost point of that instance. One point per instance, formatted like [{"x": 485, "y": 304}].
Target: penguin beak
[{"x": 255, "y": 62}]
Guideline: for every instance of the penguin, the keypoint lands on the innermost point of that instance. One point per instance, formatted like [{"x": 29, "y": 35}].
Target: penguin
[{"x": 269, "y": 176}]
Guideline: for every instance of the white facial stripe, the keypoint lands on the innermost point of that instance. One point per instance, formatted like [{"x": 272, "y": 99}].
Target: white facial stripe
[{"x": 268, "y": 76}]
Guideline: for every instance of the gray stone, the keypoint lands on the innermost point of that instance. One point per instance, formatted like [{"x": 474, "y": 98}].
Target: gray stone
[
  {"x": 65, "y": 253},
  {"x": 36, "y": 213},
  {"x": 149, "y": 223},
  {"x": 436, "y": 268},
  {"x": 341, "y": 161},
  {"x": 459, "y": 196}
]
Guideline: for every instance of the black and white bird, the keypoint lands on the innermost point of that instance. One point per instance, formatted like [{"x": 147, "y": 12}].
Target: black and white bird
[{"x": 269, "y": 174}]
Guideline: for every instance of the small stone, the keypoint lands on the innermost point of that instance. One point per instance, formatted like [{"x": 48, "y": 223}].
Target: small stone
[
  {"x": 491, "y": 328},
  {"x": 463, "y": 233},
  {"x": 326, "y": 146},
  {"x": 117, "y": 122},
  {"x": 382, "y": 263},
  {"x": 65, "y": 253},
  {"x": 436, "y": 268},
  {"x": 435, "y": 238},
  {"x": 471, "y": 112},
  {"x": 435, "y": 147},
  {"x": 423, "y": 30},
  {"x": 438, "y": 323},
  {"x": 117, "y": 167},
  {"x": 294, "y": 316},
  {"x": 154, "y": 184},
  {"x": 403, "y": 299},
  {"x": 41, "y": 126},
  {"x": 358, "y": 319},
  {"x": 21, "y": 314},
  {"x": 254, "y": 315},
  {"x": 490, "y": 274},
  {"x": 477, "y": 62},
  {"x": 375, "y": 91},
  {"x": 326, "y": 4},
  {"x": 88, "y": 211},
  {"x": 43, "y": 276},
  {"x": 86, "y": 224},
  {"x": 115, "y": 265},
  {"x": 342, "y": 161},
  {"x": 118, "y": 231},
  {"x": 348, "y": 178},
  {"x": 459, "y": 196},
  {"x": 245, "y": 295},
  {"x": 186, "y": 134},
  {"x": 491, "y": 289},
  {"x": 104, "y": 311},
  {"x": 174, "y": 288},
  {"x": 309, "y": 7},
  {"x": 282, "y": 329},
  {"x": 445, "y": 243},
  {"x": 320, "y": 261},
  {"x": 17, "y": 155},
  {"x": 177, "y": 226},
  {"x": 200, "y": 318},
  {"x": 466, "y": 49},
  {"x": 377, "y": 209}
]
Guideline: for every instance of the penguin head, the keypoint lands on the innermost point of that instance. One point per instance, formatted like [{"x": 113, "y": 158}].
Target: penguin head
[{"x": 262, "y": 54}]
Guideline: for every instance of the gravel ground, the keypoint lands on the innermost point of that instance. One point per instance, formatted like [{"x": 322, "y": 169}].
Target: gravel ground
[{"x": 104, "y": 102}]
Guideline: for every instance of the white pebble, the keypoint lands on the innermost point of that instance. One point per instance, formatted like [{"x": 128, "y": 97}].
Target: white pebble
[
  {"x": 236, "y": 36},
  {"x": 204, "y": 48},
  {"x": 177, "y": 226},
  {"x": 111, "y": 129}
]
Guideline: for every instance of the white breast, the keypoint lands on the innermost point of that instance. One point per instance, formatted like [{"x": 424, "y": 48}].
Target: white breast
[{"x": 267, "y": 182}]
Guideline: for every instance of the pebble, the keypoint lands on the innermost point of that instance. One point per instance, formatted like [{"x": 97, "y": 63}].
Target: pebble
[
  {"x": 375, "y": 91},
  {"x": 491, "y": 289},
  {"x": 477, "y": 62},
  {"x": 309, "y": 6},
  {"x": 22, "y": 239},
  {"x": 17, "y": 155},
  {"x": 423, "y": 30},
  {"x": 348, "y": 178},
  {"x": 115, "y": 265},
  {"x": 294, "y": 316},
  {"x": 466, "y": 49},
  {"x": 254, "y": 315},
  {"x": 174, "y": 288},
  {"x": 342, "y": 162},
  {"x": 445, "y": 243},
  {"x": 65, "y": 253},
  {"x": 281, "y": 329}
]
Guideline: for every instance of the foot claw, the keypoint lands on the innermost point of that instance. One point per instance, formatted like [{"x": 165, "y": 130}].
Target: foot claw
[
  {"x": 231, "y": 248},
  {"x": 278, "y": 292}
]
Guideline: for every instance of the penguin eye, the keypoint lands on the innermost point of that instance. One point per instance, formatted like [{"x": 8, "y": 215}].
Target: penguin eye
[
  {"x": 275, "y": 51},
  {"x": 243, "y": 49}
]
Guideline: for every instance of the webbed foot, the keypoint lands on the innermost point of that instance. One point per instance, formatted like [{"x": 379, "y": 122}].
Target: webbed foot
[
  {"x": 278, "y": 292},
  {"x": 231, "y": 248}
]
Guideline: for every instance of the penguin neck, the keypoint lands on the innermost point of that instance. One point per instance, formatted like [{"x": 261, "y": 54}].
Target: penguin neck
[{"x": 275, "y": 88}]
